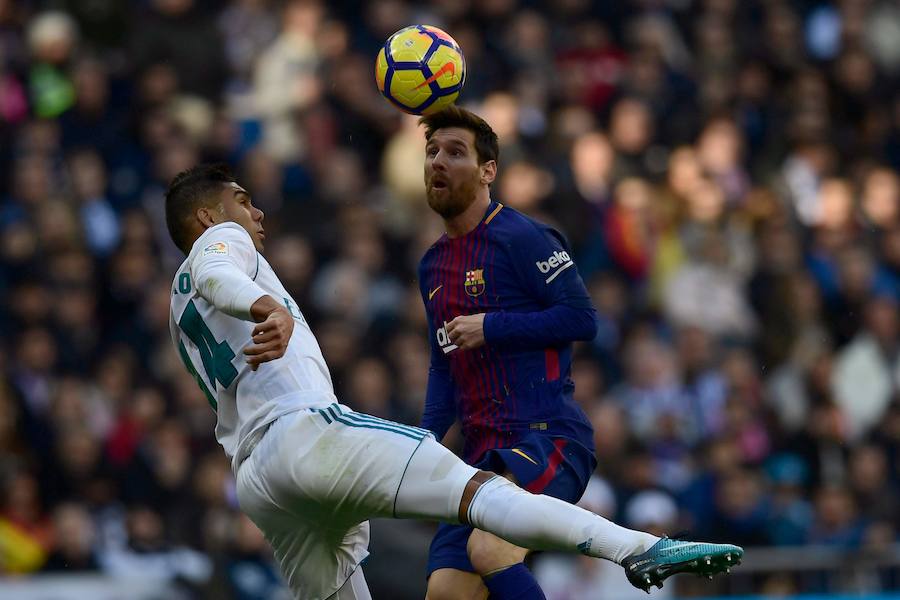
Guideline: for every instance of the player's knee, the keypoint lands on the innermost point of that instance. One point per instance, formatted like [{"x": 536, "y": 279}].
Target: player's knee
[
  {"x": 488, "y": 553},
  {"x": 451, "y": 584}
]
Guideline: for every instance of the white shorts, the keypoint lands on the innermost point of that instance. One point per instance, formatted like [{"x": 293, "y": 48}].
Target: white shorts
[{"x": 317, "y": 475}]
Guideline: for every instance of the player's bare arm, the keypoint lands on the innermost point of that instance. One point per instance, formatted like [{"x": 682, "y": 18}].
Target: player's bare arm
[{"x": 271, "y": 336}]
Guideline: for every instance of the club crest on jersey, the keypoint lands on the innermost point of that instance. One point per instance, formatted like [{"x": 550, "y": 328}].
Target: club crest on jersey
[
  {"x": 216, "y": 248},
  {"x": 475, "y": 282}
]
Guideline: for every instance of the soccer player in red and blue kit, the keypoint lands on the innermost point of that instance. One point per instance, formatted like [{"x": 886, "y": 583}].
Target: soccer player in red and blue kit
[{"x": 504, "y": 303}]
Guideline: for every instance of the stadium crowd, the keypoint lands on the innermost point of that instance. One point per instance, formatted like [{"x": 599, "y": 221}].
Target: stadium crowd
[{"x": 726, "y": 173}]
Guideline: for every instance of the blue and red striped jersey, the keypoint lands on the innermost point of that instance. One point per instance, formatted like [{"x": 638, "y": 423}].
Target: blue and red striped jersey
[{"x": 520, "y": 273}]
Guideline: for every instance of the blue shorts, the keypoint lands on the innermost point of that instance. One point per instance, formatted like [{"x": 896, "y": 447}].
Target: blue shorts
[{"x": 558, "y": 467}]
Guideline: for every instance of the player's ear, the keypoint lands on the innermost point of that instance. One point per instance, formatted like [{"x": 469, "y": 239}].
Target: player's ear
[
  {"x": 208, "y": 216},
  {"x": 488, "y": 172}
]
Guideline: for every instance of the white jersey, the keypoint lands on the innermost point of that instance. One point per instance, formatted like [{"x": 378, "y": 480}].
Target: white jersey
[{"x": 210, "y": 332}]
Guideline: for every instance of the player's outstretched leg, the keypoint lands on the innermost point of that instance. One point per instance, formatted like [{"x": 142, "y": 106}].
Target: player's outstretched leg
[
  {"x": 545, "y": 523},
  {"x": 438, "y": 485}
]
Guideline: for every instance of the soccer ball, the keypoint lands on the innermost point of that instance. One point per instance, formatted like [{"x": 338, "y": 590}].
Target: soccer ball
[{"x": 420, "y": 70}]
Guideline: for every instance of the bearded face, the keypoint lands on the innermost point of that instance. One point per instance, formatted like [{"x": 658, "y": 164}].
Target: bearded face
[{"x": 450, "y": 198}]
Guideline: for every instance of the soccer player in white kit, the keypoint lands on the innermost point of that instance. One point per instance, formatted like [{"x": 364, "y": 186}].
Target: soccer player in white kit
[{"x": 310, "y": 472}]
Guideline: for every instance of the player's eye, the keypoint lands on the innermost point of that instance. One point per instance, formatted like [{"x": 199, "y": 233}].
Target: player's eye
[{"x": 431, "y": 151}]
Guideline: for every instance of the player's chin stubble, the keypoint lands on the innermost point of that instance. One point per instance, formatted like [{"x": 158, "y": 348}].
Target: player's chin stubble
[{"x": 453, "y": 201}]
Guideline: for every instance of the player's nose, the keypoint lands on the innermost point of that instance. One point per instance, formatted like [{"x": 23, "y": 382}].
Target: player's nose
[{"x": 439, "y": 161}]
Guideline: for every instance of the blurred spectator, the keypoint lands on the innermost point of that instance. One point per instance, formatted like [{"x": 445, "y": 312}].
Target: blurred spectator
[
  {"x": 791, "y": 513},
  {"x": 524, "y": 186},
  {"x": 95, "y": 120},
  {"x": 12, "y": 432},
  {"x": 52, "y": 38},
  {"x": 159, "y": 475},
  {"x": 706, "y": 293},
  {"x": 591, "y": 66},
  {"x": 823, "y": 442},
  {"x": 887, "y": 436},
  {"x": 837, "y": 521},
  {"x": 286, "y": 80},
  {"x": 866, "y": 369},
  {"x": 369, "y": 387},
  {"x": 78, "y": 470},
  {"x": 13, "y": 99},
  {"x": 740, "y": 509},
  {"x": 75, "y": 539},
  {"x": 25, "y": 528},
  {"x": 35, "y": 361},
  {"x": 704, "y": 385},
  {"x": 628, "y": 231},
  {"x": 148, "y": 553},
  {"x": 101, "y": 227},
  {"x": 652, "y": 395},
  {"x": 590, "y": 164},
  {"x": 803, "y": 170},
  {"x": 251, "y": 571},
  {"x": 178, "y": 34},
  {"x": 247, "y": 27},
  {"x": 502, "y": 111},
  {"x": 719, "y": 149},
  {"x": 631, "y": 132},
  {"x": 875, "y": 493}
]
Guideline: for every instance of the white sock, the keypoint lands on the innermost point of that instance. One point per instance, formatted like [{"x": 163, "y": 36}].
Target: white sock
[{"x": 545, "y": 523}]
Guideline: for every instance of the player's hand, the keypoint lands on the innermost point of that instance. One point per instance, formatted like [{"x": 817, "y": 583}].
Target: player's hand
[
  {"x": 467, "y": 331},
  {"x": 270, "y": 338}
]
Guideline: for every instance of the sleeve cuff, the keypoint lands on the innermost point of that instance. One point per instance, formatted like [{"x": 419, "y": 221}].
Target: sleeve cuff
[
  {"x": 243, "y": 299},
  {"x": 488, "y": 326}
]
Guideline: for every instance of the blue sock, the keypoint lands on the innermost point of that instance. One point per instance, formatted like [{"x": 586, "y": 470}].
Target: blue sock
[{"x": 514, "y": 583}]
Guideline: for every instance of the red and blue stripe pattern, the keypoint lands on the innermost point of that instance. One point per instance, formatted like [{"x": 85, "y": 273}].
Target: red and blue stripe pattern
[{"x": 482, "y": 375}]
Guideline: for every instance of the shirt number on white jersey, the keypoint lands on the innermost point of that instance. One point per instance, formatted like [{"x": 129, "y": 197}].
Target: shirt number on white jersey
[{"x": 216, "y": 356}]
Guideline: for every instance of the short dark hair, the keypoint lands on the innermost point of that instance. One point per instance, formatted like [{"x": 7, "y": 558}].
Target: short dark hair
[
  {"x": 486, "y": 144},
  {"x": 192, "y": 189}
]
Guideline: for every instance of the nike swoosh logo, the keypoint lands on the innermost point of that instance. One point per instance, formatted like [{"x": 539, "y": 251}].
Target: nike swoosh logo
[
  {"x": 448, "y": 67},
  {"x": 523, "y": 455},
  {"x": 434, "y": 291}
]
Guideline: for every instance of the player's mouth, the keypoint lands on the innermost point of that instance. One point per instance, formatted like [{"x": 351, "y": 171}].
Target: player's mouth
[
  {"x": 438, "y": 184},
  {"x": 262, "y": 234}
]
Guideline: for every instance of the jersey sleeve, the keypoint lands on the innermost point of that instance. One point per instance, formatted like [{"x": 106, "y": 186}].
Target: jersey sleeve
[
  {"x": 440, "y": 410},
  {"x": 224, "y": 266},
  {"x": 545, "y": 269}
]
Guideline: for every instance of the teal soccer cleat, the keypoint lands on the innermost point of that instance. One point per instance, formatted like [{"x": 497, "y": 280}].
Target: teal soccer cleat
[{"x": 670, "y": 556}]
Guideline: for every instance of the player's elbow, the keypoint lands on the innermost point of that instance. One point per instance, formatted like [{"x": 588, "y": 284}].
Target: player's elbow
[{"x": 588, "y": 325}]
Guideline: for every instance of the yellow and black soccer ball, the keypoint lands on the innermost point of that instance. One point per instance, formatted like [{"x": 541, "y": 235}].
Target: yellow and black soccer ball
[{"x": 420, "y": 69}]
